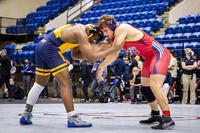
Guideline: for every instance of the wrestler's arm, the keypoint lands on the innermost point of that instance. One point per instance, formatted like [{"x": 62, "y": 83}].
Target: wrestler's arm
[
  {"x": 76, "y": 52},
  {"x": 92, "y": 53},
  {"x": 102, "y": 46},
  {"x": 120, "y": 36},
  {"x": 77, "y": 55},
  {"x": 89, "y": 52}
]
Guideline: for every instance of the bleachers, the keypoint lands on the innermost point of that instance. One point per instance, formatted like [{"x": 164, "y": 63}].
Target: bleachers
[
  {"x": 131, "y": 6},
  {"x": 189, "y": 19},
  {"x": 129, "y": 9},
  {"x": 28, "y": 52},
  {"x": 183, "y": 28},
  {"x": 139, "y": 13},
  {"x": 39, "y": 18},
  {"x": 186, "y": 34},
  {"x": 10, "y": 48},
  {"x": 143, "y": 1}
]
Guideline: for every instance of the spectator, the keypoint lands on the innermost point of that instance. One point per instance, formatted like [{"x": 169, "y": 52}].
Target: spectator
[
  {"x": 44, "y": 93},
  {"x": 173, "y": 67},
  {"x": 132, "y": 63},
  {"x": 5, "y": 72},
  {"x": 139, "y": 61},
  {"x": 27, "y": 71},
  {"x": 73, "y": 78},
  {"x": 56, "y": 88},
  {"x": 56, "y": 85},
  {"x": 135, "y": 83},
  {"x": 166, "y": 83},
  {"x": 189, "y": 65},
  {"x": 95, "y": 82},
  {"x": 12, "y": 72},
  {"x": 118, "y": 67},
  {"x": 86, "y": 78}
]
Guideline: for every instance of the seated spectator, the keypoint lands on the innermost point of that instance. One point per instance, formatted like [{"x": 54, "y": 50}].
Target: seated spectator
[
  {"x": 119, "y": 68},
  {"x": 135, "y": 82},
  {"x": 139, "y": 61},
  {"x": 173, "y": 67},
  {"x": 95, "y": 82},
  {"x": 167, "y": 83}
]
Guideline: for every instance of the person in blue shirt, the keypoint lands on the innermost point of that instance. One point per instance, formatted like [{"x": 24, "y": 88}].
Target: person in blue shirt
[{"x": 27, "y": 71}]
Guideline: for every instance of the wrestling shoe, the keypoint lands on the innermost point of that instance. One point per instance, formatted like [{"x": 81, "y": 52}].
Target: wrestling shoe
[
  {"x": 75, "y": 121},
  {"x": 165, "y": 123},
  {"x": 26, "y": 119},
  {"x": 152, "y": 119}
]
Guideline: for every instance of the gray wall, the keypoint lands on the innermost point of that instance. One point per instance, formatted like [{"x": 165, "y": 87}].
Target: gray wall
[
  {"x": 186, "y": 7},
  {"x": 19, "y": 8}
]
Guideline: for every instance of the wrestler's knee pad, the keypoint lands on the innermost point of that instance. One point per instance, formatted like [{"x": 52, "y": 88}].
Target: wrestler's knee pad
[
  {"x": 148, "y": 94},
  {"x": 34, "y": 93}
]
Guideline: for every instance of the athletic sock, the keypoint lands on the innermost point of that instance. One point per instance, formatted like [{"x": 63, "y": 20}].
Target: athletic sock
[
  {"x": 155, "y": 113},
  {"x": 166, "y": 113},
  {"x": 71, "y": 113},
  {"x": 28, "y": 108}
]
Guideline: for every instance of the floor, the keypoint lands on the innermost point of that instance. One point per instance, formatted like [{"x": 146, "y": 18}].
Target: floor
[{"x": 106, "y": 118}]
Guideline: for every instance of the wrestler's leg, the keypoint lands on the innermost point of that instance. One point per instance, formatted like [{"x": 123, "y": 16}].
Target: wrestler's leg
[
  {"x": 32, "y": 98},
  {"x": 158, "y": 70},
  {"x": 148, "y": 94},
  {"x": 66, "y": 94},
  {"x": 156, "y": 84}
]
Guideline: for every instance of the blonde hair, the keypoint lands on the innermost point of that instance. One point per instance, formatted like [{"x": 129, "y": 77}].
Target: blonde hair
[
  {"x": 137, "y": 58},
  {"x": 104, "y": 20}
]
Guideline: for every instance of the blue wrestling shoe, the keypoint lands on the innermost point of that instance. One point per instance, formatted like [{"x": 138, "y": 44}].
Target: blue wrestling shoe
[
  {"x": 75, "y": 121},
  {"x": 26, "y": 119}
]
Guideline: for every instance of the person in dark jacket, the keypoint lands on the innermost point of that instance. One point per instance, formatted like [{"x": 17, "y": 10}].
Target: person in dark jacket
[
  {"x": 118, "y": 67},
  {"x": 5, "y": 71},
  {"x": 86, "y": 78}
]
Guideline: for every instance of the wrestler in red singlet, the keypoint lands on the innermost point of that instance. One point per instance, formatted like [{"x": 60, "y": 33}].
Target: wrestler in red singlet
[
  {"x": 154, "y": 69},
  {"x": 156, "y": 56}
]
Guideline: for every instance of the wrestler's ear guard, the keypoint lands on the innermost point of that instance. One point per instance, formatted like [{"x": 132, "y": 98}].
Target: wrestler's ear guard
[{"x": 110, "y": 23}]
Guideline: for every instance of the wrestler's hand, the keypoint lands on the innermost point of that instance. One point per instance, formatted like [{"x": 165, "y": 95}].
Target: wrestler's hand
[{"x": 99, "y": 74}]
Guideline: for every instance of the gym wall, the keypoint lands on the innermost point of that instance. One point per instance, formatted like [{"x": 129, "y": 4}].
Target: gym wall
[
  {"x": 186, "y": 7},
  {"x": 19, "y": 8}
]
